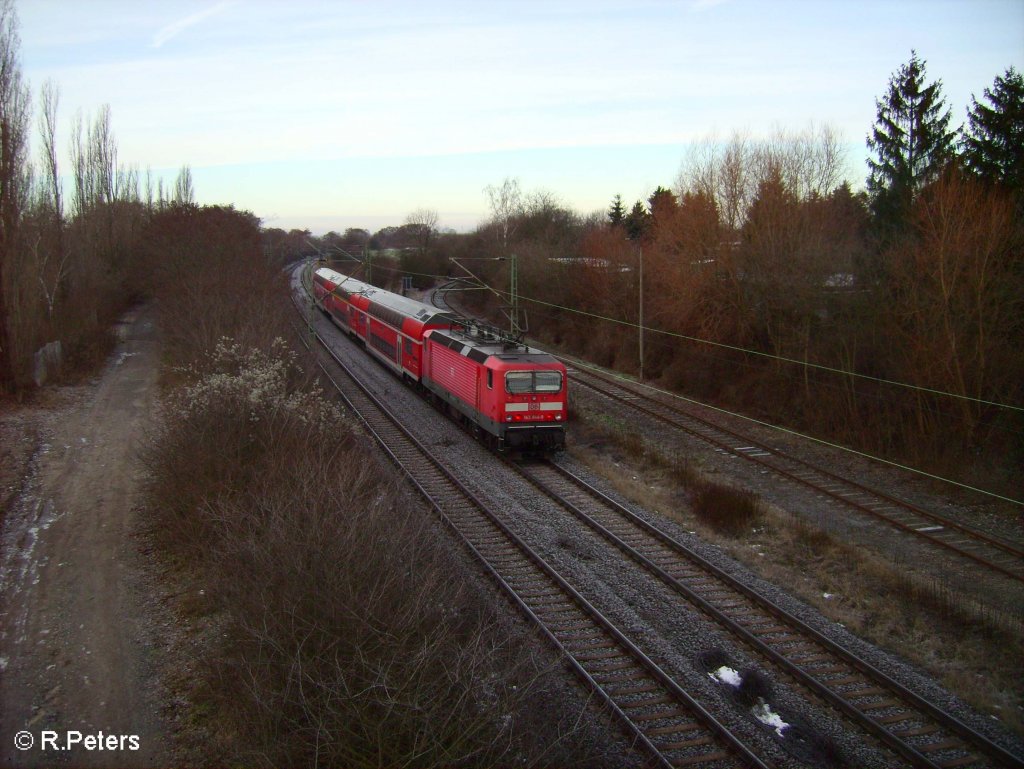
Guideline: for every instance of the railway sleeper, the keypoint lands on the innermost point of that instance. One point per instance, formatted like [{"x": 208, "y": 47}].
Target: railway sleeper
[
  {"x": 544, "y": 599},
  {"x": 601, "y": 667},
  {"x": 919, "y": 731},
  {"x": 958, "y": 762},
  {"x": 637, "y": 689},
  {"x": 587, "y": 632},
  {"x": 706, "y": 758},
  {"x": 614, "y": 677},
  {"x": 757, "y": 622},
  {"x": 871, "y": 691},
  {"x": 658, "y": 715},
  {"x": 675, "y": 729},
  {"x": 845, "y": 680},
  {"x": 555, "y": 611},
  {"x": 768, "y": 630},
  {"x": 936, "y": 747},
  {"x": 661, "y": 699},
  {"x": 599, "y": 653},
  {"x": 896, "y": 718},
  {"x": 589, "y": 644},
  {"x": 868, "y": 707},
  {"x": 682, "y": 744},
  {"x": 809, "y": 659},
  {"x": 733, "y": 604},
  {"x": 568, "y": 627}
]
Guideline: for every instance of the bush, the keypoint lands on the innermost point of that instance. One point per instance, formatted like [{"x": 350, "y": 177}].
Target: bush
[{"x": 728, "y": 511}]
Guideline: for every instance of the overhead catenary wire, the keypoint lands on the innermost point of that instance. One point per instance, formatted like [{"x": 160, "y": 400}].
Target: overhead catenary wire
[
  {"x": 734, "y": 348},
  {"x": 807, "y": 364},
  {"x": 770, "y": 425},
  {"x": 763, "y": 423}
]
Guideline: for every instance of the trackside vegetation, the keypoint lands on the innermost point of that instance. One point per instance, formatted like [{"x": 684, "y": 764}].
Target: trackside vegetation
[{"x": 337, "y": 627}]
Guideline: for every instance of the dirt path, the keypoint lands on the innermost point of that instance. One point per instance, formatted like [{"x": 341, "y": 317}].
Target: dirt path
[{"x": 77, "y": 631}]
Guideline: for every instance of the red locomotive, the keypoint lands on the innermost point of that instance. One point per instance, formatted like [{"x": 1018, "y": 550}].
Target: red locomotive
[{"x": 512, "y": 395}]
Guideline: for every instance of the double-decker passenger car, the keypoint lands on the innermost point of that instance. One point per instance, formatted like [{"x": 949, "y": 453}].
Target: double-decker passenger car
[
  {"x": 512, "y": 395},
  {"x": 391, "y": 326}
]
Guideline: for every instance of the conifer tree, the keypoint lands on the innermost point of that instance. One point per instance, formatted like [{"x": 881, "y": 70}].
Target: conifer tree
[
  {"x": 993, "y": 143},
  {"x": 636, "y": 222},
  {"x": 662, "y": 202},
  {"x": 617, "y": 213},
  {"x": 911, "y": 142}
]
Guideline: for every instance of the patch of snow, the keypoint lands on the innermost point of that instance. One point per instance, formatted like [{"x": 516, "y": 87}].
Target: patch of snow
[
  {"x": 726, "y": 675},
  {"x": 763, "y": 713}
]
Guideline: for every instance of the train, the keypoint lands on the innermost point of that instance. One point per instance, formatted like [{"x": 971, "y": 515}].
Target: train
[{"x": 510, "y": 395}]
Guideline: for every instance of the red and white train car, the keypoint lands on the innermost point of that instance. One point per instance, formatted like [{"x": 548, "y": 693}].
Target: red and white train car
[
  {"x": 511, "y": 394},
  {"x": 391, "y": 326}
]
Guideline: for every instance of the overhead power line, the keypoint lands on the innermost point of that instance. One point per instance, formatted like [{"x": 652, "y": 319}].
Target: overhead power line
[
  {"x": 748, "y": 351},
  {"x": 807, "y": 364},
  {"x": 823, "y": 442}
]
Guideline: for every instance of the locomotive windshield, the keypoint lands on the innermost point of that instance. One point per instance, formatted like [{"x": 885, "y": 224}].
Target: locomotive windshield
[{"x": 518, "y": 382}]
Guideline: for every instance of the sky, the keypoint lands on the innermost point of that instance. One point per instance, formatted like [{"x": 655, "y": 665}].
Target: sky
[{"x": 328, "y": 115}]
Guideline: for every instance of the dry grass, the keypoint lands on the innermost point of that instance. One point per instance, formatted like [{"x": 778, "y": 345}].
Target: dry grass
[
  {"x": 970, "y": 651},
  {"x": 731, "y": 512}
]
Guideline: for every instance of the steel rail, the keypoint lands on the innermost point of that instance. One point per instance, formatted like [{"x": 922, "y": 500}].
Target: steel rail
[
  {"x": 675, "y": 418},
  {"x": 739, "y": 620},
  {"x": 755, "y": 451},
  {"x": 623, "y": 694}
]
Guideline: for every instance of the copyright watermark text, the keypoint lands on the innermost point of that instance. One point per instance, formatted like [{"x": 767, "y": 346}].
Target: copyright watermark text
[{"x": 75, "y": 740}]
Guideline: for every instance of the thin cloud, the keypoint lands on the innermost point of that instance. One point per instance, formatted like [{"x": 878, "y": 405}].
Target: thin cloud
[{"x": 175, "y": 28}]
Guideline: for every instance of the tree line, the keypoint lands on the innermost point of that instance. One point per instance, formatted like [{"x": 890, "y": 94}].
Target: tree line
[
  {"x": 66, "y": 266},
  {"x": 887, "y": 317}
]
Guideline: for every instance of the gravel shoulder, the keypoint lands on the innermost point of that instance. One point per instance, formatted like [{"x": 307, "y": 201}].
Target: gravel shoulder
[{"x": 79, "y": 645}]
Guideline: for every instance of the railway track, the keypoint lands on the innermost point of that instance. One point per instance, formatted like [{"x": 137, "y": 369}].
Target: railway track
[
  {"x": 999, "y": 557},
  {"x": 916, "y": 730},
  {"x": 995, "y": 555},
  {"x": 667, "y": 723}
]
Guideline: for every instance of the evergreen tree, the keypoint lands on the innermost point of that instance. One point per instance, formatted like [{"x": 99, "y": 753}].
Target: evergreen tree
[
  {"x": 663, "y": 203},
  {"x": 911, "y": 142},
  {"x": 636, "y": 221},
  {"x": 617, "y": 213},
  {"x": 993, "y": 144}
]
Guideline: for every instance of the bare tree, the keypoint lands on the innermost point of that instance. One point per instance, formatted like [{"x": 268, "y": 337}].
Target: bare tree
[
  {"x": 103, "y": 152},
  {"x": 14, "y": 117},
  {"x": 184, "y": 194},
  {"x": 957, "y": 298},
  {"x": 424, "y": 220},
  {"x": 81, "y": 197},
  {"x": 506, "y": 204},
  {"x": 809, "y": 162},
  {"x": 53, "y": 261},
  {"x": 49, "y": 98},
  {"x": 725, "y": 173}
]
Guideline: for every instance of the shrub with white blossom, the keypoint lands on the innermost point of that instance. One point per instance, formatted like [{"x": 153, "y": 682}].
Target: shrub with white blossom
[{"x": 266, "y": 384}]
